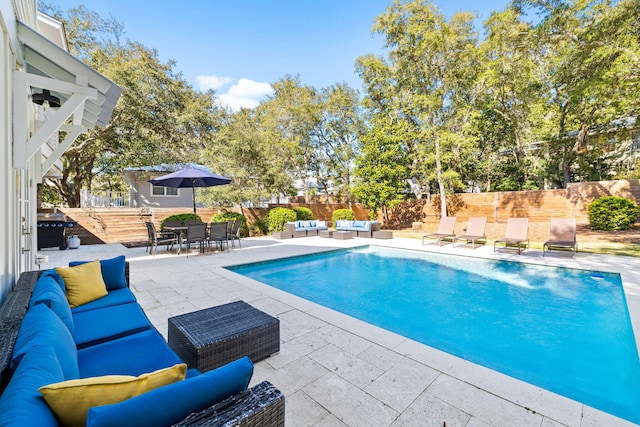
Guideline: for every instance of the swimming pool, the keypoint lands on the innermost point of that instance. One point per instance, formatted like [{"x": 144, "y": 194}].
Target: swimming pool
[{"x": 565, "y": 330}]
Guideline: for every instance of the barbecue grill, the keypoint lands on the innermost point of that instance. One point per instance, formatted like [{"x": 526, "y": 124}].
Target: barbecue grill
[{"x": 52, "y": 230}]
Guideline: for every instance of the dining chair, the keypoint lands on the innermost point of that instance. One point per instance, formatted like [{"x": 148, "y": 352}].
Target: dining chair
[
  {"x": 234, "y": 233},
  {"x": 196, "y": 233},
  {"x": 156, "y": 238},
  {"x": 218, "y": 234}
]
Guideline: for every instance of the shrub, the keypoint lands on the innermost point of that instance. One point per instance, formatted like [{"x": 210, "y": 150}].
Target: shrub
[
  {"x": 303, "y": 214},
  {"x": 232, "y": 216},
  {"x": 278, "y": 217},
  {"x": 339, "y": 214},
  {"x": 181, "y": 217},
  {"x": 259, "y": 228},
  {"x": 612, "y": 213}
]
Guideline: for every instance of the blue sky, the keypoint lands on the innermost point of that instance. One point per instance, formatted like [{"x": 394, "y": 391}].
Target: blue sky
[{"x": 240, "y": 47}]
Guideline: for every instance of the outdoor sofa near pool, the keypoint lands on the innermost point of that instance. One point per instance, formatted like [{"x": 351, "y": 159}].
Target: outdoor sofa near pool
[
  {"x": 305, "y": 228},
  {"x": 77, "y": 366},
  {"x": 362, "y": 228}
]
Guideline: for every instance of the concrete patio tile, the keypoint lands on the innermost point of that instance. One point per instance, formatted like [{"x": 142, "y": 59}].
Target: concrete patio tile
[
  {"x": 346, "y": 365},
  {"x": 303, "y": 411},
  {"x": 294, "y": 323},
  {"x": 381, "y": 357},
  {"x": 297, "y": 375},
  {"x": 474, "y": 422},
  {"x": 330, "y": 421},
  {"x": 271, "y": 306},
  {"x": 547, "y": 422},
  {"x": 428, "y": 410},
  {"x": 402, "y": 384},
  {"x": 592, "y": 417},
  {"x": 343, "y": 339},
  {"x": 348, "y": 403},
  {"x": 479, "y": 403}
]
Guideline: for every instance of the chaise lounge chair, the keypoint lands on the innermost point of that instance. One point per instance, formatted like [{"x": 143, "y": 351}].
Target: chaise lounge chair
[
  {"x": 445, "y": 230},
  {"x": 516, "y": 234},
  {"x": 562, "y": 235},
  {"x": 474, "y": 231}
]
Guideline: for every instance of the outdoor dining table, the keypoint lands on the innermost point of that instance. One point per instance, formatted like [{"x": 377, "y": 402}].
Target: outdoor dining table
[{"x": 181, "y": 231}]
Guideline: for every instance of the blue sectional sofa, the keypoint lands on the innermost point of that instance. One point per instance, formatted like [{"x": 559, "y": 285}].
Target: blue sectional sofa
[
  {"x": 305, "y": 228},
  {"x": 103, "y": 363},
  {"x": 363, "y": 228}
]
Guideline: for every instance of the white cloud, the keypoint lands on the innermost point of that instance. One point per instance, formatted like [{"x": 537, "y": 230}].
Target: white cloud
[
  {"x": 212, "y": 82},
  {"x": 245, "y": 94}
]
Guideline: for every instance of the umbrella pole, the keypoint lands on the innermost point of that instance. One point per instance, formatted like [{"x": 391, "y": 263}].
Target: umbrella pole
[{"x": 193, "y": 186}]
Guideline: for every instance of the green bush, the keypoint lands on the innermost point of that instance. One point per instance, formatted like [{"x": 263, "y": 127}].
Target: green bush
[
  {"x": 339, "y": 214},
  {"x": 232, "y": 216},
  {"x": 612, "y": 213},
  {"x": 277, "y": 217},
  {"x": 259, "y": 228},
  {"x": 303, "y": 214},
  {"x": 181, "y": 217}
]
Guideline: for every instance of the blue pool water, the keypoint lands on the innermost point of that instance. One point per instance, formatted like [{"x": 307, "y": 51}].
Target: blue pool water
[{"x": 565, "y": 330}]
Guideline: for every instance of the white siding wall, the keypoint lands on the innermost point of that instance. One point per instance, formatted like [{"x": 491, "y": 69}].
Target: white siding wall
[{"x": 17, "y": 187}]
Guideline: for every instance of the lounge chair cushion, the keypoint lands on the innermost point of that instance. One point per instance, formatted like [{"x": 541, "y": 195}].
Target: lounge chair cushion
[
  {"x": 172, "y": 403},
  {"x": 147, "y": 351},
  {"x": 113, "y": 271},
  {"x": 71, "y": 400},
  {"x": 48, "y": 292},
  {"x": 40, "y": 327},
  {"x": 108, "y": 323},
  {"x": 115, "y": 297},
  {"x": 21, "y": 404},
  {"x": 83, "y": 283}
]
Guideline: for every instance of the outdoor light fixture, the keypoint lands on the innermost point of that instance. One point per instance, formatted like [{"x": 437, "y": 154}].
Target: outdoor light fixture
[{"x": 45, "y": 96}]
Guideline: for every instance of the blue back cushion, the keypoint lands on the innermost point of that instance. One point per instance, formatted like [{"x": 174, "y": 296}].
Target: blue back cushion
[
  {"x": 48, "y": 292},
  {"x": 21, "y": 403},
  {"x": 54, "y": 275},
  {"x": 169, "y": 404},
  {"x": 114, "y": 297},
  {"x": 41, "y": 326},
  {"x": 112, "y": 271}
]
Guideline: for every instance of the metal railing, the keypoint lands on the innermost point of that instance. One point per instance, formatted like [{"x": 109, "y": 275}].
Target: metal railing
[{"x": 104, "y": 199}]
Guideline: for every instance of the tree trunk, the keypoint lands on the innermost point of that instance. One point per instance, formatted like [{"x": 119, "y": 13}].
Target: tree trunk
[{"x": 441, "y": 188}]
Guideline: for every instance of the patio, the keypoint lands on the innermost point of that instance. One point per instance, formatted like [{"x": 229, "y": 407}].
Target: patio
[{"x": 338, "y": 371}]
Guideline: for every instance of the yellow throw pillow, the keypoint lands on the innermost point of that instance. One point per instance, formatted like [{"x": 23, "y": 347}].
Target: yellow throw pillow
[
  {"x": 83, "y": 283},
  {"x": 165, "y": 376},
  {"x": 70, "y": 400}
]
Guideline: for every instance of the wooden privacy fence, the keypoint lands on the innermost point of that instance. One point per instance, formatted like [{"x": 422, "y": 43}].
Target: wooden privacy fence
[{"x": 126, "y": 225}]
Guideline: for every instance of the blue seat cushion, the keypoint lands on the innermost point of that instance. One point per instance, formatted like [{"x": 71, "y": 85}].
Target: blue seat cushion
[
  {"x": 48, "y": 292},
  {"x": 21, "y": 404},
  {"x": 41, "y": 326},
  {"x": 108, "y": 323},
  {"x": 115, "y": 297},
  {"x": 113, "y": 271},
  {"x": 169, "y": 404},
  {"x": 131, "y": 355}
]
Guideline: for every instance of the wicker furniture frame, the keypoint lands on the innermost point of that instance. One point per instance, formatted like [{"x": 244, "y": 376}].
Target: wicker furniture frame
[
  {"x": 262, "y": 405},
  {"x": 209, "y": 338}
]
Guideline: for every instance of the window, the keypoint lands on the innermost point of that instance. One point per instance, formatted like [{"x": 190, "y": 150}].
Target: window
[{"x": 163, "y": 191}]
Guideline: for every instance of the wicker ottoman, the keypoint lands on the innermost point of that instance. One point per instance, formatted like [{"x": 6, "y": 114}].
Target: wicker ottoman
[
  {"x": 343, "y": 235},
  {"x": 215, "y": 336},
  {"x": 326, "y": 233}
]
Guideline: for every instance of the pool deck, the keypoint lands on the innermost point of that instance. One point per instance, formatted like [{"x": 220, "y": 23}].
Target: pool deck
[{"x": 339, "y": 371}]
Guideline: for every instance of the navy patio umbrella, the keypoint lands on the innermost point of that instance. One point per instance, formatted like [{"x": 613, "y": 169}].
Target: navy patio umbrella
[{"x": 190, "y": 177}]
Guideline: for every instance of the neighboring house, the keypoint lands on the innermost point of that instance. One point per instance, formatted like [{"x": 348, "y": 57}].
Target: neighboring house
[
  {"x": 143, "y": 194},
  {"x": 43, "y": 90}
]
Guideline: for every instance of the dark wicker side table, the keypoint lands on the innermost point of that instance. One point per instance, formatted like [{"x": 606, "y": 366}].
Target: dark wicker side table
[{"x": 209, "y": 338}]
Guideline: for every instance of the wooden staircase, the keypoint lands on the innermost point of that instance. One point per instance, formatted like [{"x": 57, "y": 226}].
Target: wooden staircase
[{"x": 121, "y": 225}]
